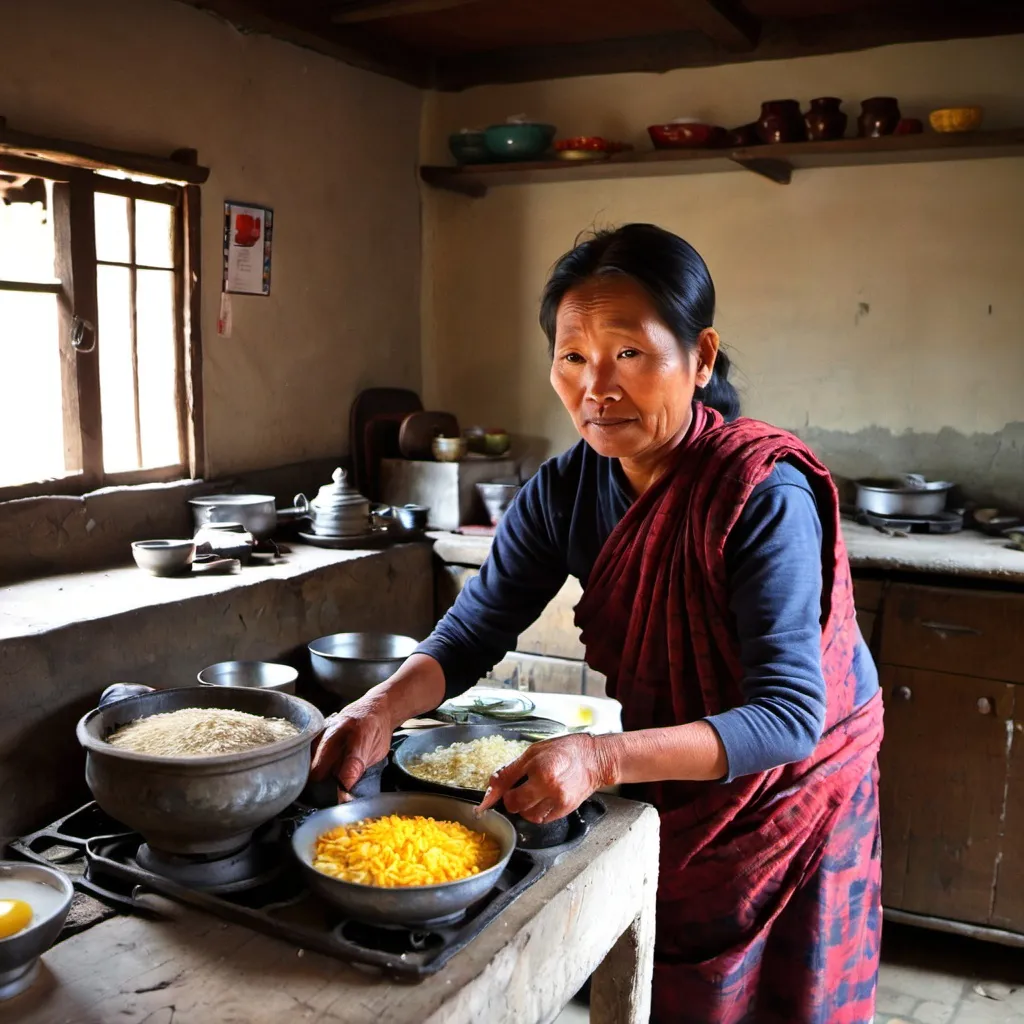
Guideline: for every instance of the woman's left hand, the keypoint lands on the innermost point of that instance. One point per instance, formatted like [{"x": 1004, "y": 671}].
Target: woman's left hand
[{"x": 560, "y": 774}]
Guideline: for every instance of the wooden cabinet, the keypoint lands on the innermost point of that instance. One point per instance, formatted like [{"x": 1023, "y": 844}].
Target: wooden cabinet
[
  {"x": 952, "y": 762},
  {"x": 944, "y": 770}
]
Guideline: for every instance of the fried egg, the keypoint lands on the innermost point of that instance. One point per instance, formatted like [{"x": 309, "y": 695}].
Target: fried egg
[{"x": 24, "y": 903}]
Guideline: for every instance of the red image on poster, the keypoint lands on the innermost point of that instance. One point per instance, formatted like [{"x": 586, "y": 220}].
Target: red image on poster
[{"x": 247, "y": 230}]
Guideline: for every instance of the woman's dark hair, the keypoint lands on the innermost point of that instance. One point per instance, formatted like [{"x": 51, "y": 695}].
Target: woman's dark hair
[{"x": 672, "y": 273}]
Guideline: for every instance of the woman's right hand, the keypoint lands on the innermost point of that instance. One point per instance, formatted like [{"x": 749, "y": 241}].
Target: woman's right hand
[
  {"x": 360, "y": 734},
  {"x": 355, "y": 738}
]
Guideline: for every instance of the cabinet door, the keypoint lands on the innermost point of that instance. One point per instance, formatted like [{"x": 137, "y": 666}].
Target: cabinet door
[
  {"x": 943, "y": 785},
  {"x": 1009, "y": 895}
]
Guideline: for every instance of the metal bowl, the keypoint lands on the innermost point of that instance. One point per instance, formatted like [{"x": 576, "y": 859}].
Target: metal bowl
[
  {"x": 349, "y": 664},
  {"x": 254, "y": 675},
  {"x": 164, "y": 557},
  {"x": 497, "y": 495},
  {"x": 19, "y": 954},
  {"x": 897, "y": 497},
  {"x": 198, "y": 805},
  {"x": 529, "y": 834},
  {"x": 256, "y": 512},
  {"x": 408, "y": 905}
]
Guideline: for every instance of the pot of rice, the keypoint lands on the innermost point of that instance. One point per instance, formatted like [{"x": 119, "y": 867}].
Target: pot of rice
[
  {"x": 196, "y": 770},
  {"x": 458, "y": 760}
]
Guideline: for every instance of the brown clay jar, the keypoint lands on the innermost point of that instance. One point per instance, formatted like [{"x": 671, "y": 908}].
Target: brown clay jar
[
  {"x": 781, "y": 121},
  {"x": 879, "y": 116},
  {"x": 825, "y": 121}
]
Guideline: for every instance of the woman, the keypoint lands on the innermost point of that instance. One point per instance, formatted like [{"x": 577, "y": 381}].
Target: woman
[{"x": 717, "y": 600}]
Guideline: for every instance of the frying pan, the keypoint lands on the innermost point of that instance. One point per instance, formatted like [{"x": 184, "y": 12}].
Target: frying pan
[{"x": 426, "y": 741}]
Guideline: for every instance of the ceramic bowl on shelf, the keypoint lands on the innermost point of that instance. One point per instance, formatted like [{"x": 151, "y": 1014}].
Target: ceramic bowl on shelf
[
  {"x": 496, "y": 441},
  {"x": 908, "y": 126},
  {"x": 164, "y": 557},
  {"x": 686, "y": 135},
  {"x": 956, "y": 119},
  {"x": 519, "y": 140},
  {"x": 449, "y": 449},
  {"x": 588, "y": 148},
  {"x": 469, "y": 146}
]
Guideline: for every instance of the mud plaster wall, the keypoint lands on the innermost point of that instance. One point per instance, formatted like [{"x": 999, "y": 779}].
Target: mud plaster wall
[
  {"x": 332, "y": 149},
  {"x": 48, "y": 680},
  {"x": 879, "y": 311}
]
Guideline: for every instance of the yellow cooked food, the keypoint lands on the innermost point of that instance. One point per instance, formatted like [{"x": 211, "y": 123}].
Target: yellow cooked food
[{"x": 396, "y": 851}]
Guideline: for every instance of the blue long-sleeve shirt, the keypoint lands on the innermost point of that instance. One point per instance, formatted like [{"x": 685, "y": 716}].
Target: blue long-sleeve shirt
[{"x": 558, "y": 524}]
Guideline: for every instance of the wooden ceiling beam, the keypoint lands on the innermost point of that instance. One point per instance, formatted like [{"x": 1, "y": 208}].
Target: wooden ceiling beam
[
  {"x": 727, "y": 23},
  {"x": 779, "y": 40},
  {"x": 349, "y": 45},
  {"x": 377, "y": 10}
]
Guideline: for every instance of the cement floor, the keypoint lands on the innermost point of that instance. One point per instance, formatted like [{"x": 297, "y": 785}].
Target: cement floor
[{"x": 930, "y": 978}]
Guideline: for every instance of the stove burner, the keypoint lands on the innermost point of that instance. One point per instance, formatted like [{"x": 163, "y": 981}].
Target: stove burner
[
  {"x": 253, "y": 865},
  {"x": 263, "y": 888}
]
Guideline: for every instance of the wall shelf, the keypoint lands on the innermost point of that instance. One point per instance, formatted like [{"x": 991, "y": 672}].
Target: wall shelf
[{"x": 776, "y": 163}]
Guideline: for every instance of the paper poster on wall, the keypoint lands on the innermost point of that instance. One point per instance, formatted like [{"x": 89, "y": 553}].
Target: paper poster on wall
[{"x": 248, "y": 234}]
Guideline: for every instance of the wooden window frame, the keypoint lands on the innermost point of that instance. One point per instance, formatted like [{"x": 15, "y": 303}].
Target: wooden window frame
[{"x": 76, "y": 290}]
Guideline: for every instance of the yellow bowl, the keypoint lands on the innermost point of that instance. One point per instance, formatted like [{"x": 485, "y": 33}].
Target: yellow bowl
[{"x": 956, "y": 119}]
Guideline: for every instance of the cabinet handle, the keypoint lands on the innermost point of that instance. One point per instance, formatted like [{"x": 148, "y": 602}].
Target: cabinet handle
[
  {"x": 985, "y": 706},
  {"x": 902, "y": 693},
  {"x": 943, "y": 628}
]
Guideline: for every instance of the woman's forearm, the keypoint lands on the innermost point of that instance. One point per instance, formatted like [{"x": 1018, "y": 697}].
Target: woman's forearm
[
  {"x": 691, "y": 753},
  {"x": 418, "y": 686}
]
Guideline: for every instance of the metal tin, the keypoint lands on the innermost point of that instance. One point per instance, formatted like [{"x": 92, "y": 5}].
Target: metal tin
[
  {"x": 907, "y": 496},
  {"x": 256, "y": 512}
]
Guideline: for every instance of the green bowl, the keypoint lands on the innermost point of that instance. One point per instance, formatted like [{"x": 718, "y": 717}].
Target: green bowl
[{"x": 519, "y": 141}]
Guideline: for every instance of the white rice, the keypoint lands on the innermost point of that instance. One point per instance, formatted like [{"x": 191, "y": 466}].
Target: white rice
[
  {"x": 200, "y": 732},
  {"x": 468, "y": 765}
]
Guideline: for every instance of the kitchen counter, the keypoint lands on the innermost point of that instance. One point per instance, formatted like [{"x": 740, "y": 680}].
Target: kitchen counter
[
  {"x": 967, "y": 554},
  {"x": 593, "y": 910}
]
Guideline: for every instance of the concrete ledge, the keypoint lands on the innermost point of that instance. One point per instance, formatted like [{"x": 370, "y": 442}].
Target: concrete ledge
[
  {"x": 65, "y": 638},
  {"x": 967, "y": 554}
]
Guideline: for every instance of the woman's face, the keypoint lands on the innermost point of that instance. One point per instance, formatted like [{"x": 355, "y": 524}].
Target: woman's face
[{"x": 619, "y": 371}]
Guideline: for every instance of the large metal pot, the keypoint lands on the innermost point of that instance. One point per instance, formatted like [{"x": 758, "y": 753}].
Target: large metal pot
[
  {"x": 903, "y": 496},
  {"x": 256, "y": 512},
  {"x": 426, "y": 741},
  {"x": 198, "y": 805},
  {"x": 407, "y": 905},
  {"x": 349, "y": 664}
]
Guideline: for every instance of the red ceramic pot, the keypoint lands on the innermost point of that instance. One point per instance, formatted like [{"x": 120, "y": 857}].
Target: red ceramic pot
[
  {"x": 745, "y": 135},
  {"x": 825, "y": 121},
  {"x": 879, "y": 116},
  {"x": 781, "y": 121}
]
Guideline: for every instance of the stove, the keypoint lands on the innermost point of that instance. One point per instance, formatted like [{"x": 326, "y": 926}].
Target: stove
[
  {"x": 942, "y": 522},
  {"x": 262, "y": 887}
]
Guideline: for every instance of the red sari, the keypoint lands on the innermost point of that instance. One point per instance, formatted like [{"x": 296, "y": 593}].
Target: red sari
[{"x": 769, "y": 894}]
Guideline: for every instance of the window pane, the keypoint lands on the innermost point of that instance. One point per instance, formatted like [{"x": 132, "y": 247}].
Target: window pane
[
  {"x": 154, "y": 245},
  {"x": 26, "y": 238},
  {"x": 158, "y": 373},
  {"x": 31, "y": 418},
  {"x": 112, "y": 242},
  {"x": 117, "y": 381}
]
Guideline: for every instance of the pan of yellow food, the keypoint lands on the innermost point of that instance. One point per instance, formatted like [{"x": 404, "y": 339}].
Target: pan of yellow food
[{"x": 403, "y": 858}]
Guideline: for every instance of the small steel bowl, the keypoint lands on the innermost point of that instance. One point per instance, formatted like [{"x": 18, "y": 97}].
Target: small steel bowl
[
  {"x": 255, "y": 675},
  {"x": 19, "y": 954},
  {"x": 408, "y": 905},
  {"x": 164, "y": 557}
]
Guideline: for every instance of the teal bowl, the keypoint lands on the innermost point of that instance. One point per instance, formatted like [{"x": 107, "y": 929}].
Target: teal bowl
[
  {"x": 469, "y": 148},
  {"x": 519, "y": 141}
]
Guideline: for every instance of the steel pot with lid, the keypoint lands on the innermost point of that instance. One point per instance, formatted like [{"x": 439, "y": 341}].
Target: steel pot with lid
[{"x": 338, "y": 510}]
